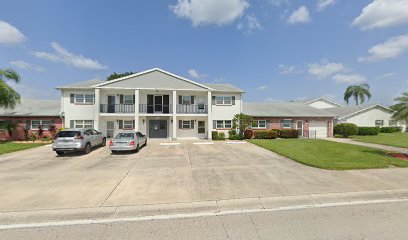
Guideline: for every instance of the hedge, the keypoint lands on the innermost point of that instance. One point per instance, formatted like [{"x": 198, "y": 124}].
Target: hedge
[
  {"x": 287, "y": 133},
  {"x": 248, "y": 134},
  {"x": 265, "y": 134},
  {"x": 391, "y": 129},
  {"x": 345, "y": 129},
  {"x": 364, "y": 131}
]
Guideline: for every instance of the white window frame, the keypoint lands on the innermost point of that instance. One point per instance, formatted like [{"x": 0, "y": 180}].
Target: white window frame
[
  {"x": 223, "y": 124},
  {"x": 186, "y": 100},
  {"x": 185, "y": 124},
  {"x": 83, "y": 98},
  {"x": 46, "y": 126},
  {"x": 40, "y": 123},
  {"x": 128, "y": 124},
  {"x": 128, "y": 99},
  {"x": 392, "y": 123},
  {"x": 223, "y": 100},
  {"x": 377, "y": 125},
  {"x": 285, "y": 121},
  {"x": 257, "y": 124},
  {"x": 83, "y": 123}
]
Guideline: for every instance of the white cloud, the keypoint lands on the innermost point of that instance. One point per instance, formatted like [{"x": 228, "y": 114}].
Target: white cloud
[
  {"x": 386, "y": 75},
  {"x": 262, "y": 88},
  {"x": 288, "y": 69},
  {"x": 300, "y": 15},
  {"x": 193, "y": 73},
  {"x": 349, "y": 78},
  {"x": 10, "y": 34},
  {"x": 382, "y": 14},
  {"x": 392, "y": 48},
  {"x": 210, "y": 11},
  {"x": 278, "y": 3},
  {"x": 250, "y": 24},
  {"x": 26, "y": 66},
  {"x": 322, "y": 4},
  {"x": 325, "y": 69},
  {"x": 60, "y": 54}
]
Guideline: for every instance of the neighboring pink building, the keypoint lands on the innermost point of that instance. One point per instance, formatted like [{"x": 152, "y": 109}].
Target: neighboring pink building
[{"x": 30, "y": 114}]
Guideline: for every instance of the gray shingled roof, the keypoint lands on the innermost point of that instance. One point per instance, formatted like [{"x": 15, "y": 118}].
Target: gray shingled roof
[
  {"x": 341, "y": 112},
  {"x": 82, "y": 84},
  {"x": 30, "y": 107},
  {"x": 284, "y": 109},
  {"x": 224, "y": 87}
]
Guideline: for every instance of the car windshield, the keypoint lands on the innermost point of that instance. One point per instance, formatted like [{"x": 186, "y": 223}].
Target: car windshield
[
  {"x": 125, "y": 135},
  {"x": 67, "y": 134}
]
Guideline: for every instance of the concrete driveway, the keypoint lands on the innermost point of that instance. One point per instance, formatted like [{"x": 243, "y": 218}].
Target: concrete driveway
[{"x": 38, "y": 179}]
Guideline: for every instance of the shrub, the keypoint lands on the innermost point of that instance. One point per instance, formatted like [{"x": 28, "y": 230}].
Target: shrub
[
  {"x": 263, "y": 134},
  {"x": 26, "y": 134},
  {"x": 221, "y": 136},
  {"x": 46, "y": 139},
  {"x": 345, "y": 129},
  {"x": 214, "y": 135},
  {"x": 391, "y": 129},
  {"x": 288, "y": 133},
  {"x": 272, "y": 134},
  {"x": 53, "y": 130},
  {"x": 248, "y": 134},
  {"x": 32, "y": 137},
  {"x": 364, "y": 131},
  {"x": 40, "y": 132}
]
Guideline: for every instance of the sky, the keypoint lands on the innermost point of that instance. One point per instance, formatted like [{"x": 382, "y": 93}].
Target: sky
[{"x": 275, "y": 50}]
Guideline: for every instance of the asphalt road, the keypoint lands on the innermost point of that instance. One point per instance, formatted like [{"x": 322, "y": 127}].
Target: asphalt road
[{"x": 385, "y": 220}]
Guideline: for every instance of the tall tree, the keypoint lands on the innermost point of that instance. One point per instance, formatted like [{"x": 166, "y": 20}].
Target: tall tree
[
  {"x": 8, "y": 96},
  {"x": 358, "y": 92},
  {"x": 242, "y": 122},
  {"x": 115, "y": 75},
  {"x": 401, "y": 108}
]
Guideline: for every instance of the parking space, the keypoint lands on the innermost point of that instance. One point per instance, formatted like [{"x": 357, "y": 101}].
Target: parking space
[{"x": 38, "y": 179}]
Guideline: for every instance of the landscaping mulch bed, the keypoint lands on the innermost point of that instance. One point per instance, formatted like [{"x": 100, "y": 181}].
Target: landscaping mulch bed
[{"x": 401, "y": 156}]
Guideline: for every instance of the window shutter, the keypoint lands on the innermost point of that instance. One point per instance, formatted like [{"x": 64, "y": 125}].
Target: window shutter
[
  {"x": 192, "y": 99},
  {"x": 214, "y": 124},
  {"x": 233, "y": 100},
  {"x": 134, "y": 99},
  {"x": 293, "y": 124},
  {"x": 281, "y": 123},
  {"x": 180, "y": 124},
  {"x": 121, "y": 98},
  {"x": 71, "y": 124},
  {"x": 192, "y": 124},
  {"x": 134, "y": 127},
  {"x": 120, "y": 124},
  {"x": 28, "y": 124},
  {"x": 93, "y": 100},
  {"x": 180, "y": 99},
  {"x": 213, "y": 100},
  {"x": 72, "y": 98}
]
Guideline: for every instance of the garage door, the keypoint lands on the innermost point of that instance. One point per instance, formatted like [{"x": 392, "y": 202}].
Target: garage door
[{"x": 318, "y": 127}]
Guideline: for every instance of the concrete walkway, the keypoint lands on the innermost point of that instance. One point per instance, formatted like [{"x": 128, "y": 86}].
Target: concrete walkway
[{"x": 372, "y": 145}]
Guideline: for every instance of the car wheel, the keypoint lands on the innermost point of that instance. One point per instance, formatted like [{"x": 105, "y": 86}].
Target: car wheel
[
  {"x": 137, "y": 148},
  {"x": 145, "y": 143},
  {"x": 60, "y": 153},
  {"x": 104, "y": 142},
  {"x": 113, "y": 151},
  {"x": 87, "y": 148}
]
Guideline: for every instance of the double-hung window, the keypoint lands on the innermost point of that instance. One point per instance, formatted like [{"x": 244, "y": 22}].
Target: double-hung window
[
  {"x": 186, "y": 124},
  {"x": 127, "y": 124},
  {"x": 287, "y": 123},
  {"x": 45, "y": 124},
  {"x": 223, "y": 100},
  {"x": 223, "y": 124},
  {"x": 379, "y": 123},
  {"x": 128, "y": 99},
  {"x": 186, "y": 100},
  {"x": 83, "y": 124},
  {"x": 392, "y": 123},
  {"x": 84, "y": 98},
  {"x": 258, "y": 124}
]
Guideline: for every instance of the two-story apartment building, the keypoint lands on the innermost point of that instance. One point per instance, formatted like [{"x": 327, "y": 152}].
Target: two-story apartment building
[{"x": 155, "y": 102}]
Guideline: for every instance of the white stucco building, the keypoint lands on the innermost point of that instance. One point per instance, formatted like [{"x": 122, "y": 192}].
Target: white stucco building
[{"x": 155, "y": 102}]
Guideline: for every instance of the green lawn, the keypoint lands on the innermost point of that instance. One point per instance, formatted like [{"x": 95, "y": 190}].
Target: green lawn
[
  {"x": 330, "y": 155},
  {"x": 14, "y": 147},
  {"x": 391, "y": 139}
]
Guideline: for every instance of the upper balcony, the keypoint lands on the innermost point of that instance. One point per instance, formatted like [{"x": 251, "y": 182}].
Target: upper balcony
[{"x": 153, "y": 108}]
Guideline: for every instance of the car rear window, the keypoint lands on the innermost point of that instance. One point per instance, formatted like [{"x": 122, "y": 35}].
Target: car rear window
[
  {"x": 125, "y": 135},
  {"x": 67, "y": 134}
]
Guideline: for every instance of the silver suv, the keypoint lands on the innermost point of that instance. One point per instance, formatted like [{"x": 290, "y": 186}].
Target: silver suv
[{"x": 78, "y": 139}]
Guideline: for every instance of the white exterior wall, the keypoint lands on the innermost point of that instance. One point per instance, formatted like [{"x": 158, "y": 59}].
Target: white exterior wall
[
  {"x": 191, "y": 133},
  {"x": 367, "y": 118},
  {"x": 220, "y": 112},
  {"x": 74, "y": 111}
]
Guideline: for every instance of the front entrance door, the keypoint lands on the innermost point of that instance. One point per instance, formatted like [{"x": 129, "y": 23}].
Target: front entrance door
[
  {"x": 299, "y": 126},
  {"x": 110, "y": 129},
  {"x": 111, "y": 104},
  {"x": 158, "y": 128}
]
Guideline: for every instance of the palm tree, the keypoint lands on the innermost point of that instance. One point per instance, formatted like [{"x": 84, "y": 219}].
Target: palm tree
[
  {"x": 10, "y": 126},
  {"x": 401, "y": 108},
  {"x": 358, "y": 92},
  {"x": 8, "y": 96}
]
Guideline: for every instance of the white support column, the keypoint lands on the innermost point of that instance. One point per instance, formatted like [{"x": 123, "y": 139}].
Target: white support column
[
  {"x": 209, "y": 116},
  {"x": 136, "y": 103},
  {"x": 174, "y": 107},
  {"x": 97, "y": 124}
]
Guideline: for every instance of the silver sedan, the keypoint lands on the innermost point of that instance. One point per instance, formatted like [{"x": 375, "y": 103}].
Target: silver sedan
[{"x": 127, "y": 140}]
